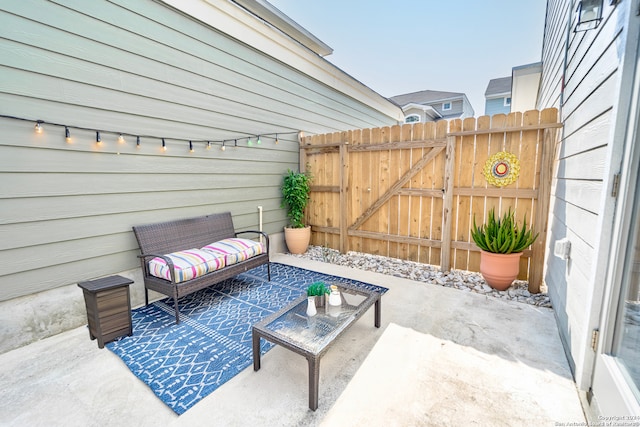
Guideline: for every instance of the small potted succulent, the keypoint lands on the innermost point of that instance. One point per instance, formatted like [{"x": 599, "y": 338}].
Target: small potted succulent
[
  {"x": 316, "y": 293},
  {"x": 501, "y": 243}
]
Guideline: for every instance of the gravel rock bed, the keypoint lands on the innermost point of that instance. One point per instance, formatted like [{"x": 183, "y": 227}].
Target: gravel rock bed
[{"x": 465, "y": 281}]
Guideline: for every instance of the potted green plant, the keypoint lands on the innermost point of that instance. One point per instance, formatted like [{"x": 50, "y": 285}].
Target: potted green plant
[
  {"x": 316, "y": 293},
  {"x": 501, "y": 243},
  {"x": 296, "y": 187}
]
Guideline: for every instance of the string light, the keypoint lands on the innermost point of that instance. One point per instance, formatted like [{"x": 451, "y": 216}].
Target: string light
[{"x": 251, "y": 139}]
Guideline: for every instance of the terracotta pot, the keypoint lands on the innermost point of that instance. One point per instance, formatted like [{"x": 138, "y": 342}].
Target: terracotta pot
[
  {"x": 499, "y": 270},
  {"x": 297, "y": 239}
]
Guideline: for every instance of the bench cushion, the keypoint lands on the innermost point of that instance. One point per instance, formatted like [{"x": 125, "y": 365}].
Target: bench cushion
[
  {"x": 187, "y": 264},
  {"x": 235, "y": 249}
]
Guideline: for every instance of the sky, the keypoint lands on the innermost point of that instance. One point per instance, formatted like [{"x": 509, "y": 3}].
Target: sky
[{"x": 403, "y": 46}]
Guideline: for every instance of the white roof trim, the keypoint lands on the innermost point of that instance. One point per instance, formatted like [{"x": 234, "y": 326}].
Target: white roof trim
[
  {"x": 425, "y": 108},
  {"x": 275, "y": 17},
  {"x": 240, "y": 24},
  {"x": 498, "y": 95}
]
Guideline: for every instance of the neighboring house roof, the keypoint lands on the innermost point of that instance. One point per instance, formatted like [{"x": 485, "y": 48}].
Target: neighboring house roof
[
  {"x": 498, "y": 87},
  {"x": 425, "y": 97},
  {"x": 428, "y": 110},
  {"x": 432, "y": 100}
]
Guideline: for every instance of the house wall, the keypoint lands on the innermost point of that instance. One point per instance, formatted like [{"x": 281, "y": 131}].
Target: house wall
[
  {"x": 495, "y": 106},
  {"x": 586, "y": 159},
  {"x": 420, "y": 112},
  {"x": 143, "y": 69},
  {"x": 524, "y": 91},
  {"x": 457, "y": 107}
]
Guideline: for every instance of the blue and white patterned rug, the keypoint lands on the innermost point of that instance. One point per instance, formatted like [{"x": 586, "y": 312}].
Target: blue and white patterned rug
[{"x": 184, "y": 363}]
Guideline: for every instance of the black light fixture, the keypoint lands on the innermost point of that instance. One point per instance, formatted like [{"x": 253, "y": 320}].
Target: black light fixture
[{"x": 589, "y": 14}]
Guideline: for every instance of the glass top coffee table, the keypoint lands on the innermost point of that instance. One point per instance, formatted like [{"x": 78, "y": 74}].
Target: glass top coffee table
[{"x": 311, "y": 336}]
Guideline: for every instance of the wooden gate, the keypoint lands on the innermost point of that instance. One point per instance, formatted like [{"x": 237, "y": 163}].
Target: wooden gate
[{"x": 411, "y": 191}]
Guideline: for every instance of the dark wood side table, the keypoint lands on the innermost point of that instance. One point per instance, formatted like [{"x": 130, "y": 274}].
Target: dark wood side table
[{"x": 108, "y": 308}]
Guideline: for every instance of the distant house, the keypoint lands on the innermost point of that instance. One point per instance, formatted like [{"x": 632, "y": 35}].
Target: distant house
[
  {"x": 498, "y": 96},
  {"x": 433, "y": 105},
  {"x": 525, "y": 83}
]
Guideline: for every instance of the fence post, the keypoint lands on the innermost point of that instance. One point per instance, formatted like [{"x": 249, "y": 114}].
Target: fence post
[
  {"x": 302, "y": 166},
  {"x": 445, "y": 249},
  {"x": 542, "y": 210},
  {"x": 344, "y": 194}
]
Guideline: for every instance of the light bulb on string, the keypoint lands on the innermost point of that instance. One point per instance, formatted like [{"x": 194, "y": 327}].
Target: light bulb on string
[
  {"x": 249, "y": 142},
  {"x": 38, "y": 127},
  {"x": 190, "y": 147},
  {"x": 224, "y": 147},
  {"x": 67, "y": 134},
  {"x": 98, "y": 139},
  {"x": 208, "y": 145},
  {"x": 277, "y": 138},
  {"x": 137, "y": 142},
  {"x": 121, "y": 139},
  {"x": 235, "y": 142},
  {"x": 164, "y": 145},
  {"x": 259, "y": 141}
]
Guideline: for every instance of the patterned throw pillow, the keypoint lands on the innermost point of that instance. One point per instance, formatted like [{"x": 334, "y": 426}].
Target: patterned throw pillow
[
  {"x": 187, "y": 264},
  {"x": 235, "y": 249}
]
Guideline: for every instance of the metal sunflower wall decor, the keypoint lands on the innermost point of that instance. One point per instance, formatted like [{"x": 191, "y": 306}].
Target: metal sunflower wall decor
[{"x": 501, "y": 169}]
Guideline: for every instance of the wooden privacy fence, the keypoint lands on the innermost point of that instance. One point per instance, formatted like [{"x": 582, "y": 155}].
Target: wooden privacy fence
[{"x": 411, "y": 191}]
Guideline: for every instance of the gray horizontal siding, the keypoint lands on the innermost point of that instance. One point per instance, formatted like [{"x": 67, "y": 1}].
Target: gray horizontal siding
[
  {"x": 456, "y": 108},
  {"x": 495, "y": 106},
  {"x": 139, "y": 68},
  {"x": 579, "y": 193}
]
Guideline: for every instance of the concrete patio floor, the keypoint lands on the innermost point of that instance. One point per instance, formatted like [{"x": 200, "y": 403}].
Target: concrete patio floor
[{"x": 441, "y": 357}]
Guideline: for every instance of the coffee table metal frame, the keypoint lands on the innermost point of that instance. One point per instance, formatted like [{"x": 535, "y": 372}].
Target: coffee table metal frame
[{"x": 314, "y": 351}]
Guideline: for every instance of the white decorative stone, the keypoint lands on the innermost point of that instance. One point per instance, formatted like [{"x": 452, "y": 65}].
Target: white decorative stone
[{"x": 466, "y": 281}]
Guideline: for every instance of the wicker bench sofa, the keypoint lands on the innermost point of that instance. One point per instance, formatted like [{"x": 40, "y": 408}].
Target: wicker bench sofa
[{"x": 186, "y": 255}]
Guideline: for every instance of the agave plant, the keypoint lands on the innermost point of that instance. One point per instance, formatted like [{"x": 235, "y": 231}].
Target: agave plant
[{"x": 501, "y": 235}]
